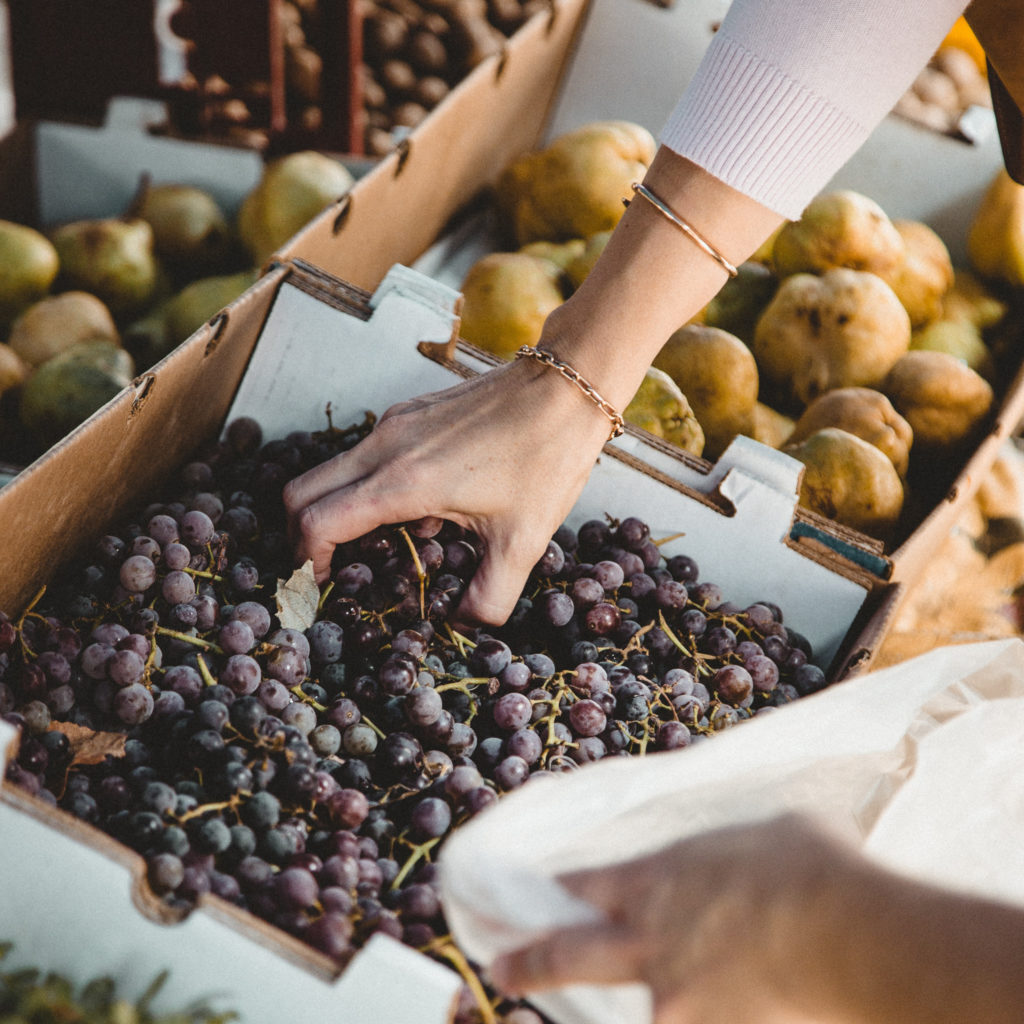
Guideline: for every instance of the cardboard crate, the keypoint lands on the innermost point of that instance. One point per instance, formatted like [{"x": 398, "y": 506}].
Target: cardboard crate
[
  {"x": 266, "y": 355},
  {"x": 442, "y": 183}
]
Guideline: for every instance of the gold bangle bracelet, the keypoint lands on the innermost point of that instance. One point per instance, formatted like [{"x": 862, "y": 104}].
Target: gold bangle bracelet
[
  {"x": 688, "y": 229},
  {"x": 575, "y": 377}
]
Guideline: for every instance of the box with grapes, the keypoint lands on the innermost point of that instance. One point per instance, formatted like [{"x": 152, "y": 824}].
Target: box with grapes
[{"x": 221, "y": 768}]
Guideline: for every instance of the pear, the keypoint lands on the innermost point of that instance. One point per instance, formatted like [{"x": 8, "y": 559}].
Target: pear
[
  {"x": 580, "y": 267},
  {"x": 71, "y": 386},
  {"x": 995, "y": 237},
  {"x": 844, "y": 328},
  {"x": 13, "y": 369},
  {"x": 190, "y": 231},
  {"x": 28, "y": 267},
  {"x": 718, "y": 375},
  {"x": 842, "y": 228},
  {"x": 945, "y": 402},
  {"x": 660, "y": 408},
  {"x": 959, "y": 338},
  {"x": 864, "y": 412},
  {"x": 849, "y": 480},
  {"x": 771, "y": 427},
  {"x": 926, "y": 273},
  {"x": 969, "y": 298},
  {"x": 110, "y": 257},
  {"x": 574, "y": 186},
  {"x": 57, "y": 322},
  {"x": 175, "y": 319},
  {"x": 562, "y": 254},
  {"x": 291, "y": 191},
  {"x": 507, "y": 296},
  {"x": 741, "y": 300}
]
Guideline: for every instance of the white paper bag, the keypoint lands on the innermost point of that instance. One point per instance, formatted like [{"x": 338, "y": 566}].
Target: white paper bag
[{"x": 920, "y": 764}]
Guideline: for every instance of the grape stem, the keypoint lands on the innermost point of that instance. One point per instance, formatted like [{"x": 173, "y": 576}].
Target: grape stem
[
  {"x": 208, "y": 677},
  {"x": 420, "y": 573},
  {"x": 306, "y": 698},
  {"x": 197, "y": 641},
  {"x": 375, "y": 728},
  {"x": 445, "y": 948},
  {"x": 419, "y": 851}
]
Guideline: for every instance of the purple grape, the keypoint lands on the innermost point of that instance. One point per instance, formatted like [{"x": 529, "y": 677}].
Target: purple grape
[
  {"x": 430, "y": 818},
  {"x": 512, "y": 711},
  {"x": 587, "y": 718},
  {"x": 137, "y": 574}
]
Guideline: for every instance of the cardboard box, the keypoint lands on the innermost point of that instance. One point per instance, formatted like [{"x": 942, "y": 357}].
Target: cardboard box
[
  {"x": 911, "y": 171},
  {"x": 64, "y": 882}
]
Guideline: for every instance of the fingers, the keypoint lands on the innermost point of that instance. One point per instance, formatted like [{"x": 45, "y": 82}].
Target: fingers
[
  {"x": 497, "y": 583},
  {"x": 601, "y": 954}
]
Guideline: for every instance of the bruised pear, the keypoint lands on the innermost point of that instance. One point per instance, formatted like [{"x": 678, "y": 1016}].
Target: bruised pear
[
  {"x": 57, "y": 322},
  {"x": 507, "y": 296},
  {"x": 924, "y": 275},
  {"x": 995, "y": 236},
  {"x": 190, "y": 231},
  {"x": 945, "y": 402},
  {"x": 71, "y": 386},
  {"x": 842, "y": 228},
  {"x": 28, "y": 266},
  {"x": 843, "y": 328},
  {"x": 111, "y": 258},
  {"x": 718, "y": 375},
  {"x": 864, "y": 412},
  {"x": 849, "y": 480},
  {"x": 574, "y": 186},
  {"x": 291, "y": 191},
  {"x": 660, "y": 408}
]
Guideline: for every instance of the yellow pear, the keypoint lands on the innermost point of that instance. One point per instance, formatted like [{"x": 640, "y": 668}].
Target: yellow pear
[
  {"x": 28, "y": 266},
  {"x": 995, "y": 238},
  {"x": 57, "y": 322},
  {"x": 842, "y": 228},
  {"x": 959, "y": 338},
  {"x": 13, "y": 369},
  {"x": 925, "y": 274},
  {"x": 574, "y": 186},
  {"x": 849, "y": 480},
  {"x": 660, "y": 408},
  {"x": 741, "y": 300},
  {"x": 580, "y": 267},
  {"x": 771, "y": 427},
  {"x": 864, "y": 412},
  {"x": 507, "y": 296},
  {"x": 718, "y": 375}
]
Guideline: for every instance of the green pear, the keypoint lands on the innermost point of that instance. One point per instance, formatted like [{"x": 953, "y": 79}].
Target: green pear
[
  {"x": 292, "y": 190},
  {"x": 660, "y": 408},
  {"x": 112, "y": 258},
  {"x": 172, "y": 321},
  {"x": 28, "y": 266},
  {"x": 190, "y": 231},
  {"x": 71, "y": 386},
  {"x": 57, "y": 322}
]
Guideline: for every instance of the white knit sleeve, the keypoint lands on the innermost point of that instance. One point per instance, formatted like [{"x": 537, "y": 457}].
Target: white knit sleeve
[{"x": 789, "y": 89}]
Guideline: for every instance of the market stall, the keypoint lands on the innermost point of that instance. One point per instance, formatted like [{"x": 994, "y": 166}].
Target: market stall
[{"x": 216, "y": 765}]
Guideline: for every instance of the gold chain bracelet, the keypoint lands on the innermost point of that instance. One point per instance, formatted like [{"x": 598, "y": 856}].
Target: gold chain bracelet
[
  {"x": 687, "y": 229},
  {"x": 575, "y": 377}
]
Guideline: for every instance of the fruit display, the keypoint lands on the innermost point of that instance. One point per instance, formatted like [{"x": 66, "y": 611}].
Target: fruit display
[
  {"x": 89, "y": 304},
  {"x": 38, "y": 995},
  {"x": 302, "y": 751},
  {"x": 846, "y": 319}
]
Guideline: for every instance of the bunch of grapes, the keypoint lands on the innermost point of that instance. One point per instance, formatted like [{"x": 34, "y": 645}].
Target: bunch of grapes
[{"x": 309, "y": 775}]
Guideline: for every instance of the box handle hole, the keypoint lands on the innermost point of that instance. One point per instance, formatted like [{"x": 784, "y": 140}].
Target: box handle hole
[
  {"x": 217, "y": 325},
  {"x": 143, "y": 385},
  {"x": 344, "y": 207}
]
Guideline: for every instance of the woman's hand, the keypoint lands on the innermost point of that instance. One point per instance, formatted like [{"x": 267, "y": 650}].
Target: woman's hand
[
  {"x": 712, "y": 925},
  {"x": 505, "y": 455}
]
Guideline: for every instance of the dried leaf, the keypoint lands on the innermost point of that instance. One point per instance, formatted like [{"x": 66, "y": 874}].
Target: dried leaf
[
  {"x": 89, "y": 746},
  {"x": 298, "y": 598}
]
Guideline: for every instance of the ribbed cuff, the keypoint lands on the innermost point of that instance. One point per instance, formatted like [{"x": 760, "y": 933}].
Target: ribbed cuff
[{"x": 759, "y": 131}]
